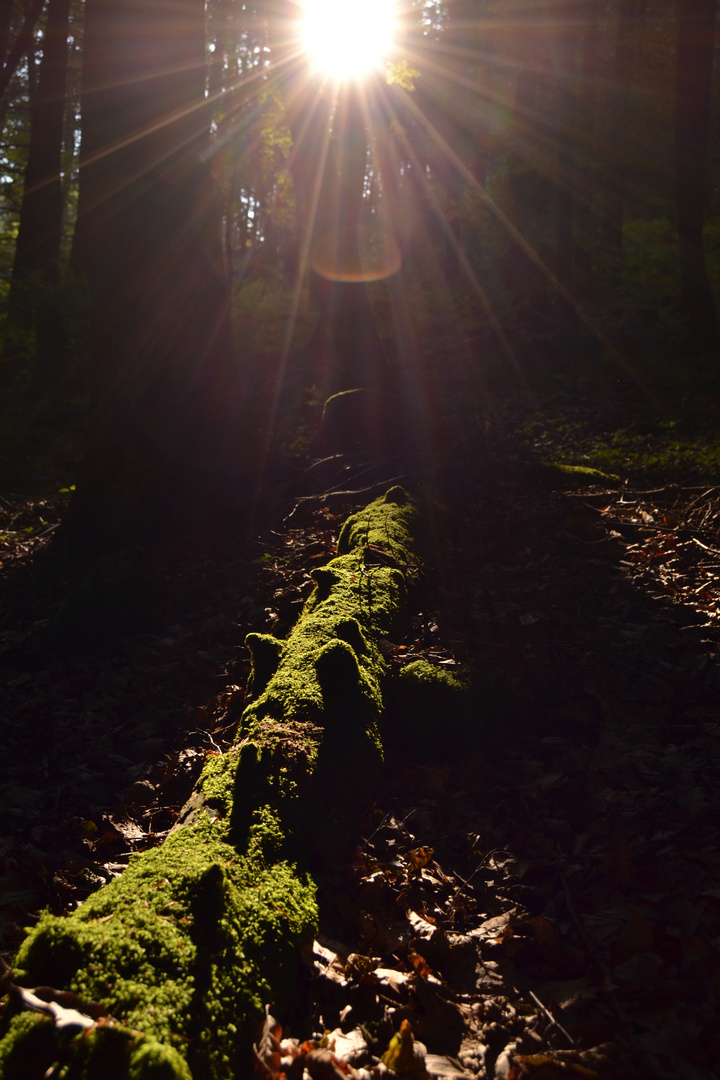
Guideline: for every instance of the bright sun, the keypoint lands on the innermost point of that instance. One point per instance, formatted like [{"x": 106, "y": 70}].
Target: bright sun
[{"x": 346, "y": 39}]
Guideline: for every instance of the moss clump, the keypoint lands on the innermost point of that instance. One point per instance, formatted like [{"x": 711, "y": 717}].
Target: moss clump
[
  {"x": 389, "y": 523},
  {"x": 265, "y": 650},
  {"x": 362, "y": 419},
  {"x": 430, "y": 706},
  {"x": 109, "y": 1052}
]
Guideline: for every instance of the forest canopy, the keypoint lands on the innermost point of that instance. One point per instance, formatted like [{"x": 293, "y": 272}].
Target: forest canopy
[{"x": 209, "y": 213}]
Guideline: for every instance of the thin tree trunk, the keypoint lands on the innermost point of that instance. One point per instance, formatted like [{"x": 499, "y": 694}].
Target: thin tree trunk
[
  {"x": 6, "y": 10},
  {"x": 565, "y": 142},
  {"x": 37, "y": 251},
  {"x": 621, "y": 104},
  {"x": 696, "y": 21}
]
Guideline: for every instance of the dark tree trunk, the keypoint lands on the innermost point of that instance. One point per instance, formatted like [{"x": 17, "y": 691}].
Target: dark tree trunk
[
  {"x": 33, "y": 294},
  {"x": 566, "y": 61},
  {"x": 621, "y": 104},
  {"x": 22, "y": 45},
  {"x": 350, "y": 313},
  {"x": 6, "y": 10},
  {"x": 696, "y": 20},
  {"x": 149, "y": 241}
]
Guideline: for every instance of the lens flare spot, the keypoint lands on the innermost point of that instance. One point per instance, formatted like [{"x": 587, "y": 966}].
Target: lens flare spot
[{"x": 372, "y": 255}]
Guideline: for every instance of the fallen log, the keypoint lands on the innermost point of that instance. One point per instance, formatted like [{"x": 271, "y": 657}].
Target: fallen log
[{"x": 181, "y": 952}]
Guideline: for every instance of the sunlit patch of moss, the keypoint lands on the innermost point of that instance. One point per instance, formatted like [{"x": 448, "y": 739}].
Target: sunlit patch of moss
[
  {"x": 185, "y": 947},
  {"x": 390, "y": 523},
  {"x": 573, "y": 475},
  {"x": 317, "y": 718},
  {"x": 217, "y": 782}
]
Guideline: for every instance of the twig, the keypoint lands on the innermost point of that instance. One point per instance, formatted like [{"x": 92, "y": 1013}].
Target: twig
[
  {"x": 713, "y": 551},
  {"x": 551, "y": 1018},
  {"x": 700, "y": 498}
]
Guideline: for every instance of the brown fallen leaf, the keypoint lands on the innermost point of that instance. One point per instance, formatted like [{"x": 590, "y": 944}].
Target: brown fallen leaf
[
  {"x": 267, "y": 1049},
  {"x": 422, "y": 928},
  {"x": 418, "y": 858}
]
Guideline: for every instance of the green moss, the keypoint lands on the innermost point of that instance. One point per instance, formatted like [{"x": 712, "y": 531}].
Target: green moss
[
  {"x": 317, "y": 721},
  {"x": 430, "y": 707},
  {"x": 265, "y": 651},
  {"x": 573, "y": 475},
  {"x": 108, "y": 1052},
  {"x": 389, "y": 523},
  {"x": 185, "y": 947},
  {"x": 217, "y": 782}
]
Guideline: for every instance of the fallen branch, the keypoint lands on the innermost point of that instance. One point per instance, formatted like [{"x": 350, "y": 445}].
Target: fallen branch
[{"x": 187, "y": 943}]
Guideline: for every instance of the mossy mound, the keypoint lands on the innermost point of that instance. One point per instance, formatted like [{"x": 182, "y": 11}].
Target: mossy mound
[
  {"x": 361, "y": 419},
  {"x": 431, "y": 710}
]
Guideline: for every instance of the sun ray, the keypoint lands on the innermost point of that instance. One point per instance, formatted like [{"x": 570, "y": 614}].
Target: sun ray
[
  {"x": 512, "y": 229},
  {"x": 320, "y": 156},
  {"x": 467, "y": 269}
]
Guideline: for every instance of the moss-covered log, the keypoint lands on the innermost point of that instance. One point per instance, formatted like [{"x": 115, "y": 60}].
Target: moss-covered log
[{"x": 187, "y": 945}]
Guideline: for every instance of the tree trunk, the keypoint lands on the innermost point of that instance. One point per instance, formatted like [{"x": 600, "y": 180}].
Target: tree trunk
[
  {"x": 6, "y": 10},
  {"x": 33, "y": 295},
  {"x": 357, "y": 356},
  {"x": 696, "y": 20},
  {"x": 566, "y": 61},
  {"x": 149, "y": 241},
  {"x": 23, "y": 44}
]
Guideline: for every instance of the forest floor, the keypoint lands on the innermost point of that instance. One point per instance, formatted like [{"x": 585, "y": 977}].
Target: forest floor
[{"x": 536, "y": 886}]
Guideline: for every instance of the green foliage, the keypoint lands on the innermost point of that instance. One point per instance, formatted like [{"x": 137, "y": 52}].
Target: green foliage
[
  {"x": 263, "y": 316},
  {"x": 665, "y": 450},
  {"x": 400, "y": 72},
  {"x": 660, "y": 456}
]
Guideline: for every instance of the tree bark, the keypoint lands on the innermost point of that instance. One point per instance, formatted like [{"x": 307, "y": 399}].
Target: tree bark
[
  {"x": 696, "y": 22},
  {"x": 149, "y": 242}
]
